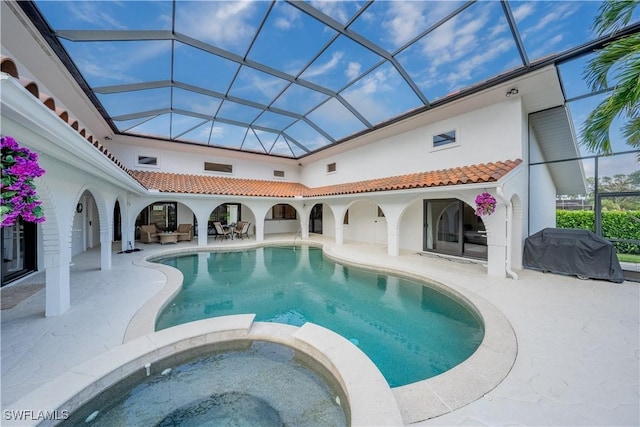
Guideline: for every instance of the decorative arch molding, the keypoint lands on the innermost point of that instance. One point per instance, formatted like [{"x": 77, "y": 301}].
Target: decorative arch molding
[
  {"x": 51, "y": 236},
  {"x": 104, "y": 216},
  {"x": 105, "y": 220}
]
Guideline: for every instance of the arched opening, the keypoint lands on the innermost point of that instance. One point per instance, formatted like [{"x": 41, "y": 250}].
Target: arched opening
[
  {"x": 281, "y": 218},
  {"x": 85, "y": 231},
  {"x": 365, "y": 222},
  {"x": 162, "y": 217},
  {"x": 231, "y": 217},
  {"x": 117, "y": 223},
  {"x": 316, "y": 218},
  {"x": 451, "y": 227}
]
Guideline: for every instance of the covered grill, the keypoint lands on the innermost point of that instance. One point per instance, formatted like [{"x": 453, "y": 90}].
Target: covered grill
[{"x": 572, "y": 252}]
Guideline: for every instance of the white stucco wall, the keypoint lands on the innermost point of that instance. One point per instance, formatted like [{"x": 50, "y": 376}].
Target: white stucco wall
[
  {"x": 542, "y": 193},
  {"x": 190, "y": 160},
  {"x": 485, "y": 135},
  {"x": 411, "y": 227},
  {"x": 328, "y": 221}
]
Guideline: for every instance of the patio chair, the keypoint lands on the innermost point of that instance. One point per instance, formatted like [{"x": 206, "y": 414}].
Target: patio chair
[
  {"x": 221, "y": 231},
  {"x": 238, "y": 227},
  {"x": 244, "y": 231},
  {"x": 186, "y": 232},
  {"x": 149, "y": 233}
]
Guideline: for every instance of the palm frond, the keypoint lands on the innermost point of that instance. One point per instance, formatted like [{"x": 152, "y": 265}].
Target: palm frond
[
  {"x": 613, "y": 15},
  {"x": 595, "y": 130},
  {"x": 618, "y": 61},
  {"x": 621, "y": 50}
]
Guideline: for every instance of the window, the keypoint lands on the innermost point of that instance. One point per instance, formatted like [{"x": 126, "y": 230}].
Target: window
[
  {"x": 218, "y": 167},
  {"x": 445, "y": 140},
  {"x": 345, "y": 221},
  {"x": 331, "y": 167},
  {"x": 283, "y": 212},
  {"x": 279, "y": 174},
  {"x": 19, "y": 250},
  {"x": 147, "y": 161},
  {"x": 380, "y": 213}
]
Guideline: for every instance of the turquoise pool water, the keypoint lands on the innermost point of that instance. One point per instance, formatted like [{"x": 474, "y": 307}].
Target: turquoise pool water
[
  {"x": 248, "y": 384},
  {"x": 409, "y": 330}
]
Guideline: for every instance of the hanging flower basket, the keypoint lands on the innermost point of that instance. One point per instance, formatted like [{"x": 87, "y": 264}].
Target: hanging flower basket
[
  {"x": 485, "y": 204},
  {"x": 19, "y": 168}
]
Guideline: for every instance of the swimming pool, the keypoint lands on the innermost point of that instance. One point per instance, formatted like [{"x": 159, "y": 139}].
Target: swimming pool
[{"x": 409, "y": 330}]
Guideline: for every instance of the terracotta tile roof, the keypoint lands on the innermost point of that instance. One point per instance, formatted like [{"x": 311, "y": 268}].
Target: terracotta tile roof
[
  {"x": 474, "y": 174},
  {"x": 204, "y": 184},
  {"x": 201, "y": 184}
]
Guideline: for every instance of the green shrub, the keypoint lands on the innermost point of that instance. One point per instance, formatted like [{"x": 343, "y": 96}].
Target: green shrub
[
  {"x": 615, "y": 224},
  {"x": 584, "y": 220}
]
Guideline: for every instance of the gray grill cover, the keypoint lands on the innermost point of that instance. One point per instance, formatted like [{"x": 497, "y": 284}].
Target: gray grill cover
[{"x": 572, "y": 252}]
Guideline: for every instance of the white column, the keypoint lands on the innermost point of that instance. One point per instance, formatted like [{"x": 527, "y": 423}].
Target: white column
[
  {"x": 105, "y": 250},
  {"x": 304, "y": 223},
  {"x": 393, "y": 242},
  {"x": 203, "y": 225},
  {"x": 339, "y": 233},
  {"x": 58, "y": 292},
  {"x": 496, "y": 256},
  {"x": 496, "y": 226},
  {"x": 392, "y": 213},
  {"x": 259, "y": 230},
  {"x": 338, "y": 213}
]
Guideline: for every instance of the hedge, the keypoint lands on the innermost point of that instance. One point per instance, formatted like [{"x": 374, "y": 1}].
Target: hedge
[{"x": 620, "y": 224}]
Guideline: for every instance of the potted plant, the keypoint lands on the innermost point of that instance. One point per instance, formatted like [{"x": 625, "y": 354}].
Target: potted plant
[{"x": 485, "y": 204}]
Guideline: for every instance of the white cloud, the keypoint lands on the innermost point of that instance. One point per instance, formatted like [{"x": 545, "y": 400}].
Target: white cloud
[
  {"x": 466, "y": 68},
  {"x": 217, "y": 132},
  {"x": 288, "y": 17},
  {"x": 283, "y": 24},
  {"x": 335, "y": 9},
  {"x": 560, "y": 13},
  {"x": 95, "y": 14},
  {"x": 253, "y": 82},
  {"x": 318, "y": 69},
  {"x": 223, "y": 23},
  {"x": 498, "y": 29},
  {"x": 353, "y": 70},
  {"x": 458, "y": 50},
  {"x": 548, "y": 46},
  {"x": 405, "y": 21},
  {"x": 122, "y": 59},
  {"x": 523, "y": 11},
  {"x": 369, "y": 94}
]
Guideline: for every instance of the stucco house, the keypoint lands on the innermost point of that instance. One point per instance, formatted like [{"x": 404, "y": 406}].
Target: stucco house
[{"x": 409, "y": 184}]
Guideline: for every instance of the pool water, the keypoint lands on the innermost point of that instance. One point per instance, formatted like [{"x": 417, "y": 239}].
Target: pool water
[
  {"x": 248, "y": 384},
  {"x": 409, "y": 330}
]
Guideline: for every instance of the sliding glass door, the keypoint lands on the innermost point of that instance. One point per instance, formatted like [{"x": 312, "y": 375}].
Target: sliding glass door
[
  {"x": 18, "y": 250},
  {"x": 451, "y": 227}
]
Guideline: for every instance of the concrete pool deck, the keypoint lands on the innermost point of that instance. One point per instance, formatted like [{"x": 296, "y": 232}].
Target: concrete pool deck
[{"x": 578, "y": 360}]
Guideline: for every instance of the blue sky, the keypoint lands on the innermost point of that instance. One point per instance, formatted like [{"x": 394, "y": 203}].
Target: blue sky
[{"x": 301, "y": 85}]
